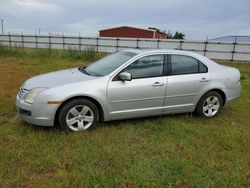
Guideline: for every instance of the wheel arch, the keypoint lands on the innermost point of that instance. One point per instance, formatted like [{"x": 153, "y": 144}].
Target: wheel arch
[
  {"x": 100, "y": 109},
  {"x": 220, "y": 91},
  {"x": 222, "y": 94}
]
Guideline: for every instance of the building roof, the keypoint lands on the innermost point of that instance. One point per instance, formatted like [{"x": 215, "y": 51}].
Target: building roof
[{"x": 152, "y": 30}]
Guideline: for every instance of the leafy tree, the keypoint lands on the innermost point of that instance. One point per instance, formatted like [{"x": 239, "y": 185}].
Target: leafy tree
[{"x": 177, "y": 35}]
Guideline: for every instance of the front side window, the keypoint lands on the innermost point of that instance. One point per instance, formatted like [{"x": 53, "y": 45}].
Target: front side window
[
  {"x": 149, "y": 66},
  {"x": 181, "y": 64},
  {"x": 109, "y": 63}
]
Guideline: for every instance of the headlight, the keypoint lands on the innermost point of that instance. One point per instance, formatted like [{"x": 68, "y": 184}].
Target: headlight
[{"x": 31, "y": 95}]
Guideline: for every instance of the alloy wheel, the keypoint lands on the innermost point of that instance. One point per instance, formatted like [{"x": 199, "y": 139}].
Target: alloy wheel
[
  {"x": 79, "y": 118},
  {"x": 211, "y": 106}
]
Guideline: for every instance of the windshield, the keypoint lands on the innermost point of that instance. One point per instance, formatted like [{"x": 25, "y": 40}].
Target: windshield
[{"x": 109, "y": 63}]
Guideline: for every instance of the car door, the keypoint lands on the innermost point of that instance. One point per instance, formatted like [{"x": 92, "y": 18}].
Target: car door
[
  {"x": 144, "y": 94},
  {"x": 187, "y": 78}
]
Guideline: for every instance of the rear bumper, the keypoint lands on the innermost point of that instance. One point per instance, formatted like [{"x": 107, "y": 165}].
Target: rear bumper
[
  {"x": 232, "y": 93},
  {"x": 39, "y": 113}
]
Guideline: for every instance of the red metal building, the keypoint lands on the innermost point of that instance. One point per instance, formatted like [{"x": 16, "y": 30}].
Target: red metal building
[{"x": 131, "y": 32}]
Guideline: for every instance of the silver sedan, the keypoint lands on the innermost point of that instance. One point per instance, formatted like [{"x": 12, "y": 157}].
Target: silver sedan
[{"x": 128, "y": 84}]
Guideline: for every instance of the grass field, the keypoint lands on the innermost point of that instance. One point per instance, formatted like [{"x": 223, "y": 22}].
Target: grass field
[{"x": 169, "y": 151}]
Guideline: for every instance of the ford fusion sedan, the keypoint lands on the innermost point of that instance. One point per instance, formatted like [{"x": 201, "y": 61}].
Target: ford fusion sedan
[{"x": 128, "y": 84}]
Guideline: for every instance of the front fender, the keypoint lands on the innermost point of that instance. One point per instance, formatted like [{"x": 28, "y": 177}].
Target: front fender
[{"x": 93, "y": 89}]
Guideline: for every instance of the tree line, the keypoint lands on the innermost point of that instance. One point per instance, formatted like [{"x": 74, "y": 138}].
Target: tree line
[{"x": 177, "y": 35}]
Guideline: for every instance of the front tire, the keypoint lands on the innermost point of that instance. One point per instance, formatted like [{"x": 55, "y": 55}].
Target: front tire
[
  {"x": 209, "y": 105},
  {"x": 78, "y": 115}
]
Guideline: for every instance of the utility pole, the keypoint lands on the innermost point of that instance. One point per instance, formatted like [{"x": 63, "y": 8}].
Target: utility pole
[{"x": 2, "y": 26}]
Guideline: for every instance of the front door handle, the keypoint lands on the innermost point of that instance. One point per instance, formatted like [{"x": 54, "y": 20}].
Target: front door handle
[
  {"x": 204, "y": 80},
  {"x": 157, "y": 84}
]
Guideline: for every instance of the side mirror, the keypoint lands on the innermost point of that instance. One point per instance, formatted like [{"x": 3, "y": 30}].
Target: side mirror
[{"x": 125, "y": 76}]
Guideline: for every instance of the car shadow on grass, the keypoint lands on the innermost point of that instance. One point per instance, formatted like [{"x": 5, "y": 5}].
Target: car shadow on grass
[
  {"x": 141, "y": 120},
  {"x": 121, "y": 123}
]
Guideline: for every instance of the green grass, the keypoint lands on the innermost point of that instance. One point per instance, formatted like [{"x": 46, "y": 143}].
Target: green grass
[{"x": 169, "y": 151}]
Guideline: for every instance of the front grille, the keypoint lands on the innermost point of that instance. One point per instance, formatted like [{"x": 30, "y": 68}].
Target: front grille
[{"x": 22, "y": 92}]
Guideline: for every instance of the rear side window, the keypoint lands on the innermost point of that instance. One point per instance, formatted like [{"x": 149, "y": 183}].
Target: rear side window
[
  {"x": 202, "y": 68},
  {"x": 181, "y": 64}
]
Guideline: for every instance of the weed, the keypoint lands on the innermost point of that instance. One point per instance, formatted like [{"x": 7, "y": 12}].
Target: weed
[{"x": 168, "y": 151}]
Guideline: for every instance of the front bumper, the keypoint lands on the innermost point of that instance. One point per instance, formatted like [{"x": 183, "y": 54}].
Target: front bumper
[{"x": 39, "y": 113}]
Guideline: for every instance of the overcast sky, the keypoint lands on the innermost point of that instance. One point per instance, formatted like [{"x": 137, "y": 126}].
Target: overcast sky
[{"x": 195, "y": 18}]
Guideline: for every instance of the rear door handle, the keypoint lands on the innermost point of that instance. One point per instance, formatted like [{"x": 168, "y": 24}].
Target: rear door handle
[
  {"x": 157, "y": 84},
  {"x": 204, "y": 80}
]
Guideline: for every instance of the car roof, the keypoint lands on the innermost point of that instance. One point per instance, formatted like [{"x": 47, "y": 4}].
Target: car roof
[
  {"x": 179, "y": 52},
  {"x": 147, "y": 50}
]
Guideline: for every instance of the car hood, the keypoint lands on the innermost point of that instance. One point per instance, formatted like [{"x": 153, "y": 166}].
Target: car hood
[{"x": 57, "y": 78}]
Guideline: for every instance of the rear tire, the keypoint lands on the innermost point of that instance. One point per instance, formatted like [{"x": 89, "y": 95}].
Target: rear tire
[
  {"x": 78, "y": 115},
  {"x": 209, "y": 105}
]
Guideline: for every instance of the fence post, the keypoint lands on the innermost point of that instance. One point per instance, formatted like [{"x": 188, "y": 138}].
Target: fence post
[
  {"x": 22, "y": 40},
  {"x": 63, "y": 42},
  {"x": 49, "y": 41},
  {"x": 79, "y": 42},
  {"x": 97, "y": 44},
  {"x": 205, "y": 48},
  {"x": 9, "y": 39},
  {"x": 36, "y": 41},
  {"x": 137, "y": 43},
  {"x": 158, "y": 43},
  {"x": 117, "y": 44},
  {"x": 234, "y": 46},
  {"x": 181, "y": 42}
]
